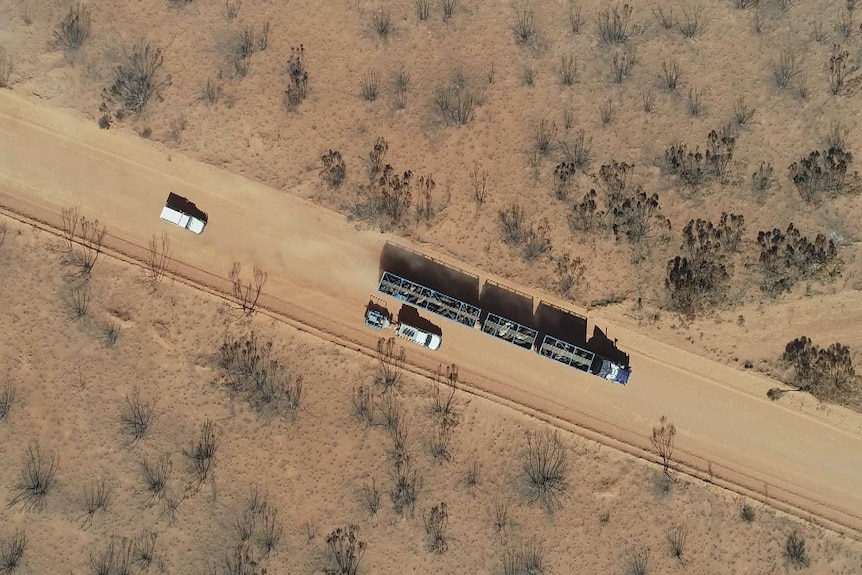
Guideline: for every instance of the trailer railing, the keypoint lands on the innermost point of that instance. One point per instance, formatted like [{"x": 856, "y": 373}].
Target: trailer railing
[
  {"x": 429, "y": 299},
  {"x": 510, "y": 331},
  {"x": 566, "y": 353}
]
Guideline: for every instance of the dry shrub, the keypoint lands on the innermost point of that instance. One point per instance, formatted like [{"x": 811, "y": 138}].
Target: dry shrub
[
  {"x": 546, "y": 467},
  {"x": 138, "y": 78}
]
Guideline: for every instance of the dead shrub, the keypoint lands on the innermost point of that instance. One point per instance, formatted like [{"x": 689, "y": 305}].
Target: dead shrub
[
  {"x": 345, "y": 551},
  {"x": 297, "y": 71},
  {"x": 202, "y": 453},
  {"x": 568, "y": 70},
  {"x": 537, "y": 241},
  {"x": 676, "y": 537},
  {"x": 156, "y": 476},
  {"x": 138, "y": 415},
  {"x": 512, "y": 220},
  {"x": 37, "y": 479},
  {"x": 390, "y": 362},
  {"x": 369, "y": 88},
  {"x": 6, "y": 68},
  {"x": 435, "y": 527},
  {"x": 334, "y": 170},
  {"x": 97, "y": 498},
  {"x": 692, "y": 21},
  {"x": 247, "y": 294},
  {"x": 381, "y": 20},
  {"x": 795, "y": 552},
  {"x": 569, "y": 273},
  {"x": 12, "y": 551},
  {"x": 638, "y": 562},
  {"x": 525, "y": 28},
  {"x": 158, "y": 258},
  {"x": 138, "y": 79},
  {"x": 74, "y": 28},
  {"x": 671, "y": 74},
  {"x": 662, "y": 439},
  {"x": 407, "y": 483},
  {"x": 614, "y": 24},
  {"x": 7, "y": 398},
  {"x": 546, "y": 467}
]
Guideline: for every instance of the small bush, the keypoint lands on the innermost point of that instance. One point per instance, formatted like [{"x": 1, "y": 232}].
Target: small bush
[
  {"x": 785, "y": 258},
  {"x": 676, "y": 537},
  {"x": 513, "y": 223},
  {"x": 498, "y": 511},
  {"x": 622, "y": 63},
  {"x": 795, "y": 552},
  {"x": 423, "y": 8},
  {"x": 37, "y": 479},
  {"x": 390, "y": 362},
  {"x": 406, "y": 486},
  {"x": 695, "y": 101},
  {"x": 614, "y": 24},
  {"x": 665, "y": 18},
  {"x": 525, "y": 29},
  {"x": 585, "y": 215},
  {"x": 838, "y": 68},
  {"x": 638, "y": 563},
  {"x": 381, "y": 20},
  {"x": 546, "y": 467},
  {"x": 785, "y": 69},
  {"x": 402, "y": 83},
  {"x": 746, "y": 512},
  {"x": 528, "y": 559},
  {"x": 537, "y": 240},
  {"x": 762, "y": 179},
  {"x": 568, "y": 70},
  {"x": 371, "y": 498},
  {"x": 670, "y": 74},
  {"x": 435, "y": 526},
  {"x": 569, "y": 273},
  {"x": 5, "y": 68},
  {"x": 692, "y": 21},
  {"x": 821, "y": 172},
  {"x": 607, "y": 110},
  {"x": 11, "y": 551},
  {"x": 345, "y": 551},
  {"x": 138, "y": 79},
  {"x": 575, "y": 19},
  {"x": 297, "y": 72},
  {"x": 138, "y": 415},
  {"x": 156, "y": 476},
  {"x": 7, "y": 398},
  {"x": 74, "y": 28},
  {"x": 455, "y": 104},
  {"x": 97, "y": 498},
  {"x": 448, "y": 9},
  {"x": 578, "y": 151},
  {"x": 203, "y": 451},
  {"x": 370, "y": 86},
  {"x": 742, "y": 112},
  {"x": 564, "y": 175},
  {"x": 334, "y": 169},
  {"x": 826, "y": 373}
]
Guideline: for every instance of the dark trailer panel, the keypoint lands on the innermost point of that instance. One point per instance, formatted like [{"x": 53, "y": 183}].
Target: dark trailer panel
[
  {"x": 507, "y": 314},
  {"x": 426, "y": 298}
]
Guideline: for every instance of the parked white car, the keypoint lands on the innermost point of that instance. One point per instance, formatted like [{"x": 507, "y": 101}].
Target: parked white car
[
  {"x": 430, "y": 340},
  {"x": 183, "y": 213}
]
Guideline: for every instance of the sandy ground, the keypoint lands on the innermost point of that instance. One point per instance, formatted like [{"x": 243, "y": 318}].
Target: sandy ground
[
  {"x": 72, "y": 390},
  {"x": 809, "y": 454}
]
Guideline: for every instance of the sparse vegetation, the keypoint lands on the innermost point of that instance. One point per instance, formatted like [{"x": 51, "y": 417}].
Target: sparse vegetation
[
  {"x": 138, "y": 415},
  {"x": 97, "y": 498},
  {"x": 546, "y": 467},
  {"x": 381, "y": 20},
  {"x": 37, "y": 479},
  {"x": 6, "y": 68},
  {"x": 138, "y": 79},
  {"x": 662, "y": 439},
  {"x": 156, "y": 476},
  {"x": 345, "y": 551},
  {"x": 203, "y": 451},
  {"x": 7, "y": 398},
  {"x": 614, "y": 23},
  {"x": 827, "y": 373},
  {"x": 12, "y": 551},
  {"x": 787, "y": 257},
  {"x": 246, "y": 295},
  {"x": 795, "y": 552},
  {"x": 74, "y": 28},
  {"x": 436, "y": 522},
  {"x": 390, "y": 362},
  {"x": 526, "y": 559},
  {"x": 297, "y": 73},
  {"x": 334, "y": 170}
]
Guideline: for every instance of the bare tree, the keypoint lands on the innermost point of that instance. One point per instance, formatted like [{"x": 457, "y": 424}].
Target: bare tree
[
  {"x": 69, "y": 220},
  {"x": 11, "y": 551},
  {"x": 662, "y": 440},
  {"x": 345, "y": 550},
  {"x": 546, "y": 465},
  {"x": 97, "y": 498},
  {"x": 247, "y": 294},
  {"x": 92, "y": 236},
  {"x": 158, "y": 258},
  {"x": 435, "y": 526},
  {"x": 37, "y": 479},
  {"x": 443, "y": 390},
  {"x": 138, "y": 415},
  {"x": 390, "y": 362},
  {"x": 203, "y": 451}
]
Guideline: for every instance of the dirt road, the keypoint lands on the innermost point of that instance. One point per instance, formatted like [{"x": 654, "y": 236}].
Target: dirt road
[{"x": 321, "y": 271}]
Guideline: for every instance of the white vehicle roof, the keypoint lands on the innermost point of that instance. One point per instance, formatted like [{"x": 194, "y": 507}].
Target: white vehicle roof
[{"x": 430, "y": 340}]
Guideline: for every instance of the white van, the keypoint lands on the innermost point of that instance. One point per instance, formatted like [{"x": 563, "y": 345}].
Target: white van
[{"x": 430, "y": 340}]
